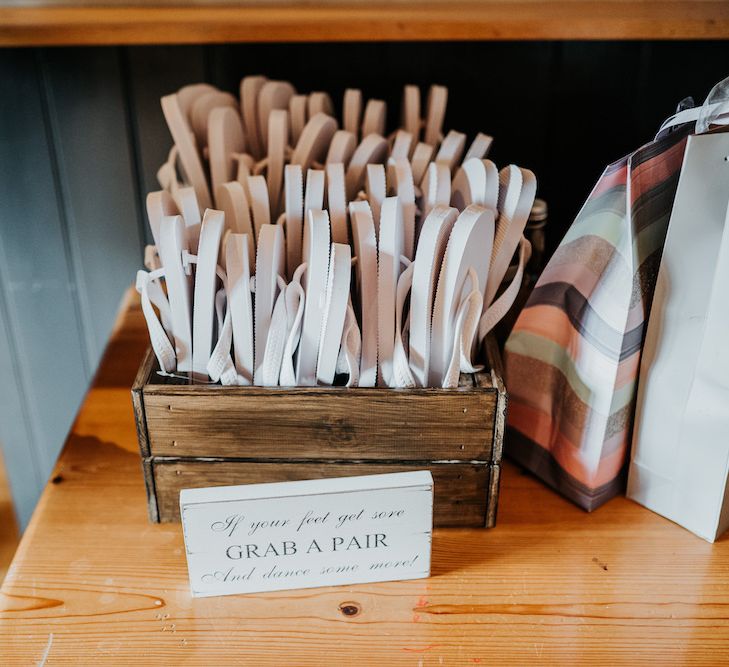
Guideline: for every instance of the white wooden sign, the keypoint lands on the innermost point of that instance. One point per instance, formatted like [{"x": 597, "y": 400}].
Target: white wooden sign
[{"x": 323, "y": 532}]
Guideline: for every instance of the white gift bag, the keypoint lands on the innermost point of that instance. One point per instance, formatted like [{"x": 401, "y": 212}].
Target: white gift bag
[{"x": 680, "y": 459}]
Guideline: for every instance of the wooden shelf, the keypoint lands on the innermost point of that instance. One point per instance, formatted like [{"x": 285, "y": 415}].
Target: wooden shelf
[
  {"x": 78, "y": 24},
  {"x": 93, "y": 582}
]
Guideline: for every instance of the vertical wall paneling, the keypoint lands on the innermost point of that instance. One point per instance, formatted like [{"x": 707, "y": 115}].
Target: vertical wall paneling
[
  {"x": 16, "y": 438},
  {"x": 94, "y": 152},
  {"x": 36, "y": 278}
]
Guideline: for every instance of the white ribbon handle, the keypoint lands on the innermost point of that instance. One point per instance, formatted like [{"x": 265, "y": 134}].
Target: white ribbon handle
[
  {"x": 295, "y": 303},
  {"x": 220, "y": 366},
  {"x": 498, "y": 309},
  {"x": 159, "y": 299},
  {"x": 517, "y": 190},
  {"x": 690, "y": 115},
  {"x": 163, "y": 349},
  {"x": 402, "y": 376},
  {"x": 348, "y": 361},
  {"x": 220, "y": 299},
  {"x": 465, "y": 333},
  {"x": 276, "y": 339}
]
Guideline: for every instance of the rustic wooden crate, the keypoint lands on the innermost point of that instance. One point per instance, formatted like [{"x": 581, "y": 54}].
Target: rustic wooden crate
[{"x": 209, "y": 435}]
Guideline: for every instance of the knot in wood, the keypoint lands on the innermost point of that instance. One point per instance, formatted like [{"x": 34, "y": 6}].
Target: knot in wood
[{"x": 350, "y": 609}]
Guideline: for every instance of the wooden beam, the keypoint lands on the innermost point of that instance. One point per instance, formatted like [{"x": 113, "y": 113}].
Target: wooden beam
[{"x": 362, "y": 21}]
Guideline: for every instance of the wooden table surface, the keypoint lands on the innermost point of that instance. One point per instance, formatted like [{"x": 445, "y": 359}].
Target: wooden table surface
[{"x": 94, "y": 583}]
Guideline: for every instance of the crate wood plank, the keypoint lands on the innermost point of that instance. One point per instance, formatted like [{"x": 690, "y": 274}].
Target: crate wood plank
[
  {"x": 202, "y": 22},
  {"x": 459, "y": 489},
  {"x": 320, "y": 423},
  {"x": 140, "y": 418},
  {"x": 493, "y": 378},
  {"x": 492, "y": 499}
]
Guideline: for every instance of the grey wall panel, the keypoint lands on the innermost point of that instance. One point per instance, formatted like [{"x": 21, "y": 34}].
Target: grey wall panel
[
  {"x": 16, "y": 440},
  {"x": 151, "y": 73},
  {"x": 36, "y": 274},
  {"x": 92, "y": 142}
]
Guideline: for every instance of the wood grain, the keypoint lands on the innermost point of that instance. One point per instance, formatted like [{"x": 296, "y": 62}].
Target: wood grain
[
  {"x": 461, "y": 490},
  {"x": 321, "y": 423},
  {"x": 94, "y": 583},
  {"x": 363, "y": 21}
]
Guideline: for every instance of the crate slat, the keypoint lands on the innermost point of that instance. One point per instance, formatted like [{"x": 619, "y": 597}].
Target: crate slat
[
  {"x": 459, "y": 489},
  {"x": 371, "y": 424}
]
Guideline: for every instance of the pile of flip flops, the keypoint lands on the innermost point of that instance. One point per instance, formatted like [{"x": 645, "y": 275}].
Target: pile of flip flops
[{"x": 292, "y": 250}]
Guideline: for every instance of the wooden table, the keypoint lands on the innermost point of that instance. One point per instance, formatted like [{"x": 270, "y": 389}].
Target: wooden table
[{"x": 94, "y": 583}]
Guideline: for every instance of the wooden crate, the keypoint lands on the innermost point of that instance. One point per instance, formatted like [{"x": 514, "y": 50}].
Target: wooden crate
[{"x": 209, "y": 435}]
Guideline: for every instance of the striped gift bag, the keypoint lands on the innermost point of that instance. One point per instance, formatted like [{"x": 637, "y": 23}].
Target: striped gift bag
[{"x": 572, "y": 358}]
